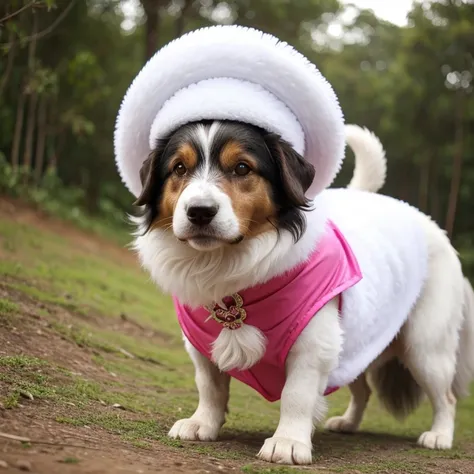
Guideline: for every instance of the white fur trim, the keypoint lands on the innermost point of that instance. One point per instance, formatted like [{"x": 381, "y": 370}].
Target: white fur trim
[
  {"x": 238, "y": 348},
  {"x": 244, "y": 102},
  {"x": 239, "y": 53}
]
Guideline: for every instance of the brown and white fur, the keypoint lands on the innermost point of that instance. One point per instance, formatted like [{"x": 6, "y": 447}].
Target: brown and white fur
[{"x": 223, "y": 209}]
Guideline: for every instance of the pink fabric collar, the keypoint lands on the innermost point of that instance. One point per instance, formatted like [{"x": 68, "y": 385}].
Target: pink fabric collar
[{"x": 281, "y": 308}]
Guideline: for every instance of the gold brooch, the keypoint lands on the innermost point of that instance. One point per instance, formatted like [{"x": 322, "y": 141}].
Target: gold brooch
[{"x": 231, "y": 317}]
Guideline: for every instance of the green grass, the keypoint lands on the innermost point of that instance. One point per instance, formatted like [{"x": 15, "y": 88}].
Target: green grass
[
  {"x": 83, "y": 294},
  {"x": 42, "y": 380},
  {"x": 8, "y": 310},
  {"x": 250, "y": 469},
  {"x": 81, "y": 281},
  {"x": 70, "y": 460},
  {"x": 7, "y": 307},
  {"x": 20, "y": 362}
]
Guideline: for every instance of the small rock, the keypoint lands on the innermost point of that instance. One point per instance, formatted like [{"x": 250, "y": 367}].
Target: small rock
[
  {"x": 117, "y": 405},
  {"x": 27, "y": 395},
  {"x": 3, "y": 464},
  {"x": 126, "y": 353},
  {"x": 103, "y": 403},
  {"x": 113, "y": 374},
  {"x": 23, "y": 465}
]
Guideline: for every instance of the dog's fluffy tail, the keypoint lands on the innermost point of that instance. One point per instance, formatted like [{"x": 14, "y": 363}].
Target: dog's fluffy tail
[
  {"x": 465, "y": 360},
  {"x": 396, "y": 388},
  {"x": 370, "y": 162}
]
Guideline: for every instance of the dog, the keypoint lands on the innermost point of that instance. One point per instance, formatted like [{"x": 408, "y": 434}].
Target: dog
[{"x": 223, "y": 208}]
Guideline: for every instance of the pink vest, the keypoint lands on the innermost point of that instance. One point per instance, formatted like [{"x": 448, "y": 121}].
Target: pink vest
[{"x": 281, "y": 308}]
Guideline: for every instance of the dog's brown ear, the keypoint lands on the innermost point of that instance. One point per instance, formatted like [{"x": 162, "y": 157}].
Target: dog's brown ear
[
  {"x": 295, "y": 172},
  {"x": 148, "y": 176}
]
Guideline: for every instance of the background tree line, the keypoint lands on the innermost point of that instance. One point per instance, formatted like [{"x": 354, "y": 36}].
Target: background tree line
[{"x": 65, "y": 65}]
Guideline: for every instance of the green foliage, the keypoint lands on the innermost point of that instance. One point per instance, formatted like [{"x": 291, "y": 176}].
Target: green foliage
[
  {"x": 7, "y": 307},
  {"x": 66, "y": 202},
  {"x": 404, "y": 83}
]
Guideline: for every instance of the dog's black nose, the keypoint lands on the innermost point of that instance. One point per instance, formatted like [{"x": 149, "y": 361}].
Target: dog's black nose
[{"x": 201, "y": 215}]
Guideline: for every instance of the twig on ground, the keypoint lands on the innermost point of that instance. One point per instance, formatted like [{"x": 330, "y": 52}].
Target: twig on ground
[
  {"x": 23, "y": 439},
  {"x": 15, "y": 438}
]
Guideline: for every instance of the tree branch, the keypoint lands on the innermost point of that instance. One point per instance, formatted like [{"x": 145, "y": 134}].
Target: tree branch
[
  {"x": 49, "y": 29},
  {"x": 17, "y": 12},
  {"x": 9, "y": 66}
]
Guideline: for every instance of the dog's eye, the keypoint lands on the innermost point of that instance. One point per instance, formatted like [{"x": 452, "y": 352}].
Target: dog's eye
[
  {"x": 242, "y": 169},
  {"x": 180, "y": 169}
]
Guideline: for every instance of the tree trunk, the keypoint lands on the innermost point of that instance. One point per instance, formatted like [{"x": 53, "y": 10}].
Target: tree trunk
[
  {"x": 32, "y": 45},
  {"x": 33, "y": 99},
  {"x": 457, "y": 165},
  {"x": 30, "y": 131},
  {"x": 434, "y": 201},
  {"x": 424, "y": 184},
  {"x": 152, "y": 12},
  {"x": 404, "y": 189},
  {"x": 181, "y": 21},
  {"x": 93, "y": 193},
  {"x": 41, "y": 140},
  {"x": 10, "y": 60},
  {"x": 52, "y": 133},
  {"x": 20, "y": 113},
  {"x": 60, "y": 141}
]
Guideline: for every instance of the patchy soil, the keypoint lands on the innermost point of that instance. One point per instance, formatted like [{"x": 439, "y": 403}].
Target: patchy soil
[{"x": 93, "y": 374}]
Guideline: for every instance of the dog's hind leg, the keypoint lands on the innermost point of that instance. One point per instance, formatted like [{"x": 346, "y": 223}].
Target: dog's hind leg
[
  {"x": 430, "y": 338},
  {"x": 350, "y": 421}
]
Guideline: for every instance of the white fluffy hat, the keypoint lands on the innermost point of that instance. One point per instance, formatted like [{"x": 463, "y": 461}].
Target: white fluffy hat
[{"x": 235, "y": 73}]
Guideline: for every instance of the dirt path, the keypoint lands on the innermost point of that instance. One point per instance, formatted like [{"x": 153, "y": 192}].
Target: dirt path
[
  {"x": 54, "y": 447},
  {"x": 93, "y": 374}
]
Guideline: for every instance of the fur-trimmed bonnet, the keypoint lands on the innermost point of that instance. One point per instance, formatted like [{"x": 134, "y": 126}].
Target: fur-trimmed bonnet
[{"x": 234, "y": 73}]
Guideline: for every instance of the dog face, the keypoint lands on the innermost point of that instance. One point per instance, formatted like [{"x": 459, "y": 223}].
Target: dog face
[{"x": 217, "y": 183}]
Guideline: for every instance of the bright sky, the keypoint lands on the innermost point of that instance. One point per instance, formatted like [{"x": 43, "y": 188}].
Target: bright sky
[{"x": 394, "y": 11}]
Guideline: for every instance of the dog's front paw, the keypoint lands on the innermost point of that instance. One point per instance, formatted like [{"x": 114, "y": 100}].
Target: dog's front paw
[
  {"x": 285, "y": 451},
  {"x": 433, "y": 440},
  {"x": 190, "y": 429},
  {"x": 340, "y": 424}
]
